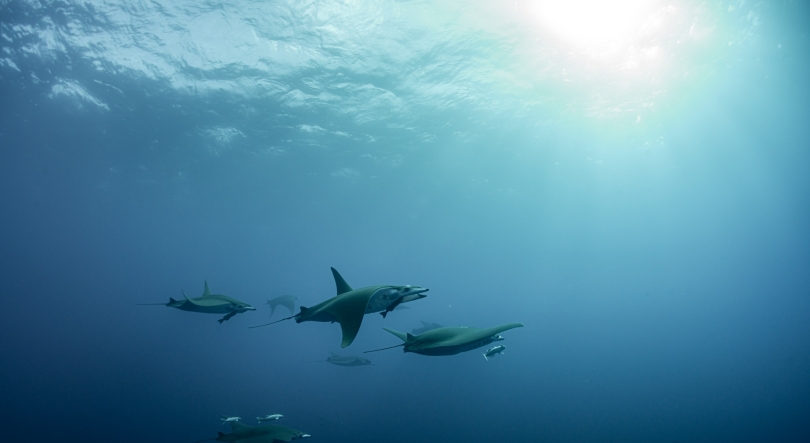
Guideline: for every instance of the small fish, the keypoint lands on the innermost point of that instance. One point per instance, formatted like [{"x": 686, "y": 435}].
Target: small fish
[
  {"x": 269, "y": 417},
  {"x": 392, "y": 306},
  {"x": 491, "y": 352},
  {"x": 226, "y": 419}
]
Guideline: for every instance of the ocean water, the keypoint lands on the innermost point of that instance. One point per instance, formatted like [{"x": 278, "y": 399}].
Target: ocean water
[{"x": 630, "y": 180}]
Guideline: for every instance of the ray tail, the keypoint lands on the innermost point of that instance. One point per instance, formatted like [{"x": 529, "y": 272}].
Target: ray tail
[
  {"x": 272, "y": 322},
  {"x": 383, "y": 349}
]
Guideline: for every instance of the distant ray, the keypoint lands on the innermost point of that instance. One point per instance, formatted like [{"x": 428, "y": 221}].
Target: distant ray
[
  {"x": 288, "y": 301},
  {"x": 425, "y": 327},
  {"x": 346, "y": 360}
]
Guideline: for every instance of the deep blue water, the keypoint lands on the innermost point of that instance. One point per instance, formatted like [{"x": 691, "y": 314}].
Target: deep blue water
[{"x": 641, "y": 203}]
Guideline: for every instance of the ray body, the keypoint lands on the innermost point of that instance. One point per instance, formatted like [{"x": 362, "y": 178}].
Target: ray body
[
  {"x": 288, "y": 301},
  {"x": 260, "y": 434},
  {"x": 350, "y": 305},
  {"x": 210, "y": 303},
  {"x": 347, "y": 360},
  {"x": 451, "y": 340},
  {"x": 425, "y": 327},
  {"x": 493, "y": 351}
]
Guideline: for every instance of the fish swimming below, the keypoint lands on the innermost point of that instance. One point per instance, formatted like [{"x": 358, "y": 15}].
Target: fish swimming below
[{"x": 493, "y": 351}]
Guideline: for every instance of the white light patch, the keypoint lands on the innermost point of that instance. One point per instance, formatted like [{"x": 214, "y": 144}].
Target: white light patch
[{"x": 600, "y": 28}]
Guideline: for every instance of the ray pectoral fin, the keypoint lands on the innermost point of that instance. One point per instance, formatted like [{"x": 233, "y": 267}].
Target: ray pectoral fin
[
  {"x": 401, "y": 335},
  {"x": 340, "y": 283},
  {"x": 349, "y": 313},
  {"x": 270, "y": 438},
  {"x": 350, "y": 326},
  {"x": 189, "y": 299},
  {"x": 508, "y": 326},
  {"x": 289, "y": 305},
  {"x": 206, "y": 291},
  {"x": 236, "y": 426}
]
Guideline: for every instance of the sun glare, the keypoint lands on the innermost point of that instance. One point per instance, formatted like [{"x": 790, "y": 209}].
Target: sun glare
[{"x": 599, "y": 28}]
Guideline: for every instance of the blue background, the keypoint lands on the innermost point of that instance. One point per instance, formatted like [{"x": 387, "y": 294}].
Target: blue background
[{"x": 652, "y": 235}]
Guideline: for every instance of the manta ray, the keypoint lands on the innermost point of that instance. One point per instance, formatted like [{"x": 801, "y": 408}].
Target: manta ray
[
  {"x": 350, "y": 305},
  {"x": 258, "y": 434},
  {"x": 449, "y": 340},
  {"x": 208, "y": 303}
]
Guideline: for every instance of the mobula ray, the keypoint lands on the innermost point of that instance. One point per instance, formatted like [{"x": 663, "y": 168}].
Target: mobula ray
[
  {"x": 350, "y": 305},
  {"x": 209, "y": 303},
  {"x": 449, "y": 340}
]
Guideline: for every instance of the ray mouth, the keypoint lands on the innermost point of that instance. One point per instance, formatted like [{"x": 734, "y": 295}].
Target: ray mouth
[{"x": 413, "y": 296}]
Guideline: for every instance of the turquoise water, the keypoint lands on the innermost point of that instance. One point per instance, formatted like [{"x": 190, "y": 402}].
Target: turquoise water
[{"x": 629, "y": 180}]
